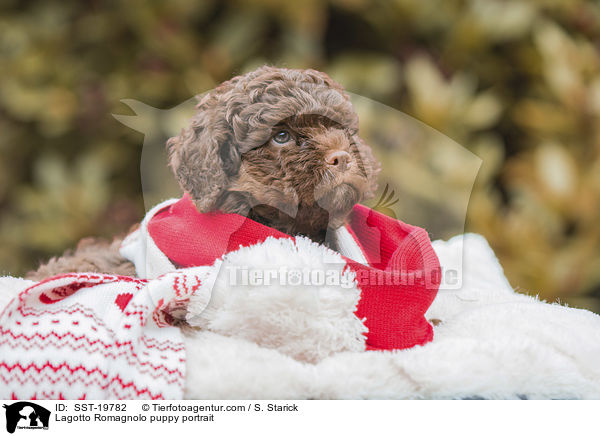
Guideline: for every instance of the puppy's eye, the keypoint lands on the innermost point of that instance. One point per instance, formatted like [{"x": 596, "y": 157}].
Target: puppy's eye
[{"x": 282, "y": 137}]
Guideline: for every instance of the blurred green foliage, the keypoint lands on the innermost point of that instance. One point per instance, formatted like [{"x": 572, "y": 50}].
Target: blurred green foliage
[{"x": 515, "y": 82}]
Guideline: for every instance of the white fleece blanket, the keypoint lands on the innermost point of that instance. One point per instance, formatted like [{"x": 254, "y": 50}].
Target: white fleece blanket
[{"x": 492, "y": 343}]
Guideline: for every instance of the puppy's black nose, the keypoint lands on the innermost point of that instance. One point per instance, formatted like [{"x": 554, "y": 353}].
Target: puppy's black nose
[{"x": 339, "y": 159}]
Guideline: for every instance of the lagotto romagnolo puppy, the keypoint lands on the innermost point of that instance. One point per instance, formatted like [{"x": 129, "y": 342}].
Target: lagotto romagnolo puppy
[{"x": 278, "y": 145}]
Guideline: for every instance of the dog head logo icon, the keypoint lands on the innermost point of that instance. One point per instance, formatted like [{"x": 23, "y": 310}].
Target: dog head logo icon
[{"x": 26, "y": 415}]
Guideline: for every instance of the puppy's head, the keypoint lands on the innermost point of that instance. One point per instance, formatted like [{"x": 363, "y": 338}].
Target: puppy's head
[{"x": 279, "y": 142}]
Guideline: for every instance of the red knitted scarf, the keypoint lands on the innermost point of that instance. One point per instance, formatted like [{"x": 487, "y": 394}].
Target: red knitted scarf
[{"x": 397, "y": 287}]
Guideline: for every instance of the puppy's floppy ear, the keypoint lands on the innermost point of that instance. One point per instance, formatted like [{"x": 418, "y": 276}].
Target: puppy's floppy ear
[{"x": 204, "y": 158}]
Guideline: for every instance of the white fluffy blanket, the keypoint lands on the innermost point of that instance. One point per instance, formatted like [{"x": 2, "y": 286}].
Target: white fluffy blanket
[{"x": 492, "y": 342}]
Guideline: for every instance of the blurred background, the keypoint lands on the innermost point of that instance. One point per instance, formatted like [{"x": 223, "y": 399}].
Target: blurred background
[{"x": 516, "y": 83}]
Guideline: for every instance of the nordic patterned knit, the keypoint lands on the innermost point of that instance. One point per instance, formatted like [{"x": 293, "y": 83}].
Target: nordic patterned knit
[{"x": 92, "y": 336}]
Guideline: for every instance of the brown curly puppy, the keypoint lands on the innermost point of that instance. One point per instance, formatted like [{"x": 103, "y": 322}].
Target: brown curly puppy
[{"x": 278, "y": 145}]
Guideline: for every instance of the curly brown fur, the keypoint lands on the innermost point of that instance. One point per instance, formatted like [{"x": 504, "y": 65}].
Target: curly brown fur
[
  {"x": 291, "y": 187},
  {"x": 229, "y": 159},
  {"x": 91, "y": 255}
]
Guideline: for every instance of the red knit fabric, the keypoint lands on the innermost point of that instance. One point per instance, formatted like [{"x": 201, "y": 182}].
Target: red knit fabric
[
  {"x": 401, "y": 282},
  {"x": 397, "y": 287}
]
